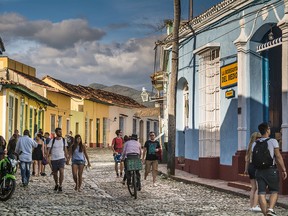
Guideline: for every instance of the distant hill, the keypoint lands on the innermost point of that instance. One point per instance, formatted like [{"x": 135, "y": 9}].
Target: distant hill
[
  {"x": 97, "y": 86},
  {"x": 124, "y": 90}
]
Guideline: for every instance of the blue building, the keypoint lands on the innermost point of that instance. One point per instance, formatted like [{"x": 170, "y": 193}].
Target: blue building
[{"x": 232, "y": 75}]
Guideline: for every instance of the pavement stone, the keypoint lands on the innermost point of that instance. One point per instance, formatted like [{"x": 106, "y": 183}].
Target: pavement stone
[{"x": 104, "y": 194}]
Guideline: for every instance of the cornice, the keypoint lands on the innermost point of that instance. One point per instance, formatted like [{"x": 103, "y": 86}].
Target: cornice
[{"x": 212, "y": 15}]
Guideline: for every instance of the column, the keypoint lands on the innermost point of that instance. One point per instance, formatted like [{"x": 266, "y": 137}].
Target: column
[
  {"x": 283, "y": 25},
  {"x": 241, "y": 44},
  {"x": 238, "y": 160}
]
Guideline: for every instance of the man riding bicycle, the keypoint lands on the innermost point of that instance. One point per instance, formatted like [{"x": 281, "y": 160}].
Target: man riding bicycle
[{"x": 131, "y": 150}]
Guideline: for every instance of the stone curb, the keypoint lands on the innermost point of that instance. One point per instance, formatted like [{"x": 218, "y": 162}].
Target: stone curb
[{"x": 179, "y": 179}]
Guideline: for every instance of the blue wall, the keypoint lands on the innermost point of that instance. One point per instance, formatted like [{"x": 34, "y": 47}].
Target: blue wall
[{"x": 228, "y": 31}]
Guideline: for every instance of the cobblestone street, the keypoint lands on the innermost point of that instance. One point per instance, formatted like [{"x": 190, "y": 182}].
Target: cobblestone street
[{"x": 103, "y": 194}]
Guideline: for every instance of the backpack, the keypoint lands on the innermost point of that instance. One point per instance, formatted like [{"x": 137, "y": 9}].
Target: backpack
[
  {"x": 53, "y": 141},
  {"x": 261, "y": 157}
]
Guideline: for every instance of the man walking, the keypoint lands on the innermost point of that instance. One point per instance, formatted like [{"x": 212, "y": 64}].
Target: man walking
[
  {"x": 151, "y": 147},
  {"x": 24, "y": 147},
  {"x": 267, "y": 175},
  {"x": 57, "y": 149},
  {"x": 117, "y": 147}
]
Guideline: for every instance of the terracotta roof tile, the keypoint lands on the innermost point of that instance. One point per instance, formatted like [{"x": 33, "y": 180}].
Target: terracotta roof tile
[
  {"x": 33, "y": 79},
  {"x": 98, "y": 95},
  {"x": 148, "y": 112},
  {"x": 14, "y": 84}
]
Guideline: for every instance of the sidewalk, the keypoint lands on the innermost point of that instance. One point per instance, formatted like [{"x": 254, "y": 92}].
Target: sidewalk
[{"x": 219, "y": 185}]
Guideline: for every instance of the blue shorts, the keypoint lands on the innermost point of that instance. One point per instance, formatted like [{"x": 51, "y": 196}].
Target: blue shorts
[
  {"x": 117, "y": 158},
  {"x": 57, "y": 164},
  {"x": 78, "y": 162}
]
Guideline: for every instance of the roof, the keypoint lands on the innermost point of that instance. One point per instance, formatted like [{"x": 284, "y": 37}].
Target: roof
[
  {"x": 32, "y": 79},
  {"x": 39, "y": 82},
  {"x": 148, "y": 112},
  {"x": 98, "y": 95},
  {"x": 212, "y": 15},
  {"x": 22, "y": 88}
]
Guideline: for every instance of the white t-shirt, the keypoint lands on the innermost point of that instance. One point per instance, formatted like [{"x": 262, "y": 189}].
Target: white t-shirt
[
  {"x": 57, "y": 151},
  {"x": 272, "y": 143}
]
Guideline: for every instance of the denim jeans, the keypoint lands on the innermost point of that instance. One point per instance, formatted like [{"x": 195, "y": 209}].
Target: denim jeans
[{"x": 25, "y": 171}]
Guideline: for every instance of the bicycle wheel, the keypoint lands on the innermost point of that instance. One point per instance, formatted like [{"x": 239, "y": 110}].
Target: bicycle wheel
[
  {"x": 134, "y": 182},
  {"x": 131, "y": 185}
]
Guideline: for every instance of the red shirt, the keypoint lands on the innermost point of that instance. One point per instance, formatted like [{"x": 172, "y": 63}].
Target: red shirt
[{"x": 118, "y": 144}]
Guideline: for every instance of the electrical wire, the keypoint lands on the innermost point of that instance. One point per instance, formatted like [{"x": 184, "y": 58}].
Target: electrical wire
[
  {"x": 280, "y": 2},
  {"x": 276, "y": 4}
]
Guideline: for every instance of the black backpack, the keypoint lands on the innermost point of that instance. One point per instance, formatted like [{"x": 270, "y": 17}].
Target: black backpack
[
  {"x": 261, "y": 157},
  {"x": 53, "y": 141}
]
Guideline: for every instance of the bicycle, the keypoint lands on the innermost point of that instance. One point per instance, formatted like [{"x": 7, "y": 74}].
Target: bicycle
[{"x": 133, "y": 165}]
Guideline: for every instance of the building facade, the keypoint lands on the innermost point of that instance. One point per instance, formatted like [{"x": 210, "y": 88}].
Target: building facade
[
  {"x": 27, "y": 102},
  {"x": 232, "y": 75}
]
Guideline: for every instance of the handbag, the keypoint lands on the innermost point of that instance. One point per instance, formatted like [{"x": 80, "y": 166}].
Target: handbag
[{"x": 44, "y": 161}]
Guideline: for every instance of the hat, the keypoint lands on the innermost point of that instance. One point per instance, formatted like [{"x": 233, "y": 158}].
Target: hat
[{"x": 134, "y": 137}]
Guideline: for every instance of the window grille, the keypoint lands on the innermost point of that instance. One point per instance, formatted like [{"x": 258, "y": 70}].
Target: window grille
[
  {"x": 209, "y": 104},
  {"x": 186, "y": 105}
]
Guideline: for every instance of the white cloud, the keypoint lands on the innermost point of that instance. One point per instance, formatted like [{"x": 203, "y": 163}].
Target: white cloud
[
  {"x": 70, "y": 51},
  {"x": 58, "y": 35}
]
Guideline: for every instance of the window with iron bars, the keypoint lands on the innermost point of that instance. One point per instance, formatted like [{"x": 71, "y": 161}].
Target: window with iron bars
[{"x": 209, "y": 104}]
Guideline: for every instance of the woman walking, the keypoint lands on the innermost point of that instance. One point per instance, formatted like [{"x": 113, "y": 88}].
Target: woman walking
[
  {"x": 37, "y": 155},
  {"x": 78, "y": 153},
  {"x": 250, "y": 170}
]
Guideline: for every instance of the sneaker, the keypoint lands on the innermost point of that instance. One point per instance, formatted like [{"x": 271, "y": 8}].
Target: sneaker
[
  {"x": 120, "y": 174},
  {"x": 60, "y": 188},
  {"x": 117, "y": 175},
  {"x": 271, "y": 212},
  {"x": 256, "y": 209},
  {"x": 56, "y": 187},
  {"x": 123, "y": 182},
  {"x": 33, "y": 173},
  {"x": 43, "y": 174},
  {"x": 155, "y": 185}
]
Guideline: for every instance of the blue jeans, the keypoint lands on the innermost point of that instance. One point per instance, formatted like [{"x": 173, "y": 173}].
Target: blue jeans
[{"x": 25, "y": 172}]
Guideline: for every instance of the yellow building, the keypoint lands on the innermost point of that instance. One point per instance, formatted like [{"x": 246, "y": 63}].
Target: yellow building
[
  {"x": 22, "y": 104},
  {"x": 103, "y": 113},
  {"x": 87, "y": 113},
  {"x": 60, "y": 114},
  {"x": 27, "y": 102}
]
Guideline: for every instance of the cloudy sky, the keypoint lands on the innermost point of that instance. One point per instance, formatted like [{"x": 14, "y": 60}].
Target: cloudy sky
[{"x": 89, "y": 41}]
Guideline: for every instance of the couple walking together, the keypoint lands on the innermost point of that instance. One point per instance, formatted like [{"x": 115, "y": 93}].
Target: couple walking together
[
  {"x": 57, "y": 155},
  {"x": 263, "y": 159}
]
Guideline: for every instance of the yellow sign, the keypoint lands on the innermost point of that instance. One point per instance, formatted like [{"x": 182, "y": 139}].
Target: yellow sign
[
  {"x": 228, "y": 75},
  {"x": 230, "y": 94}
]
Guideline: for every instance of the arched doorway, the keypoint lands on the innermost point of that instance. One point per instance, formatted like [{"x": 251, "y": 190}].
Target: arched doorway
[
  {"x": 272, "y": 80},
  {"x": 182, "y": 109},
  {"x": 266, "y": 74}
]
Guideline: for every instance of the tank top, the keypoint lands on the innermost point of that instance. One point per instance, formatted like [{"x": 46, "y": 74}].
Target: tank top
[
  {"x": 118, "y": 144},
  {"x": 78, "y": 155}
]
